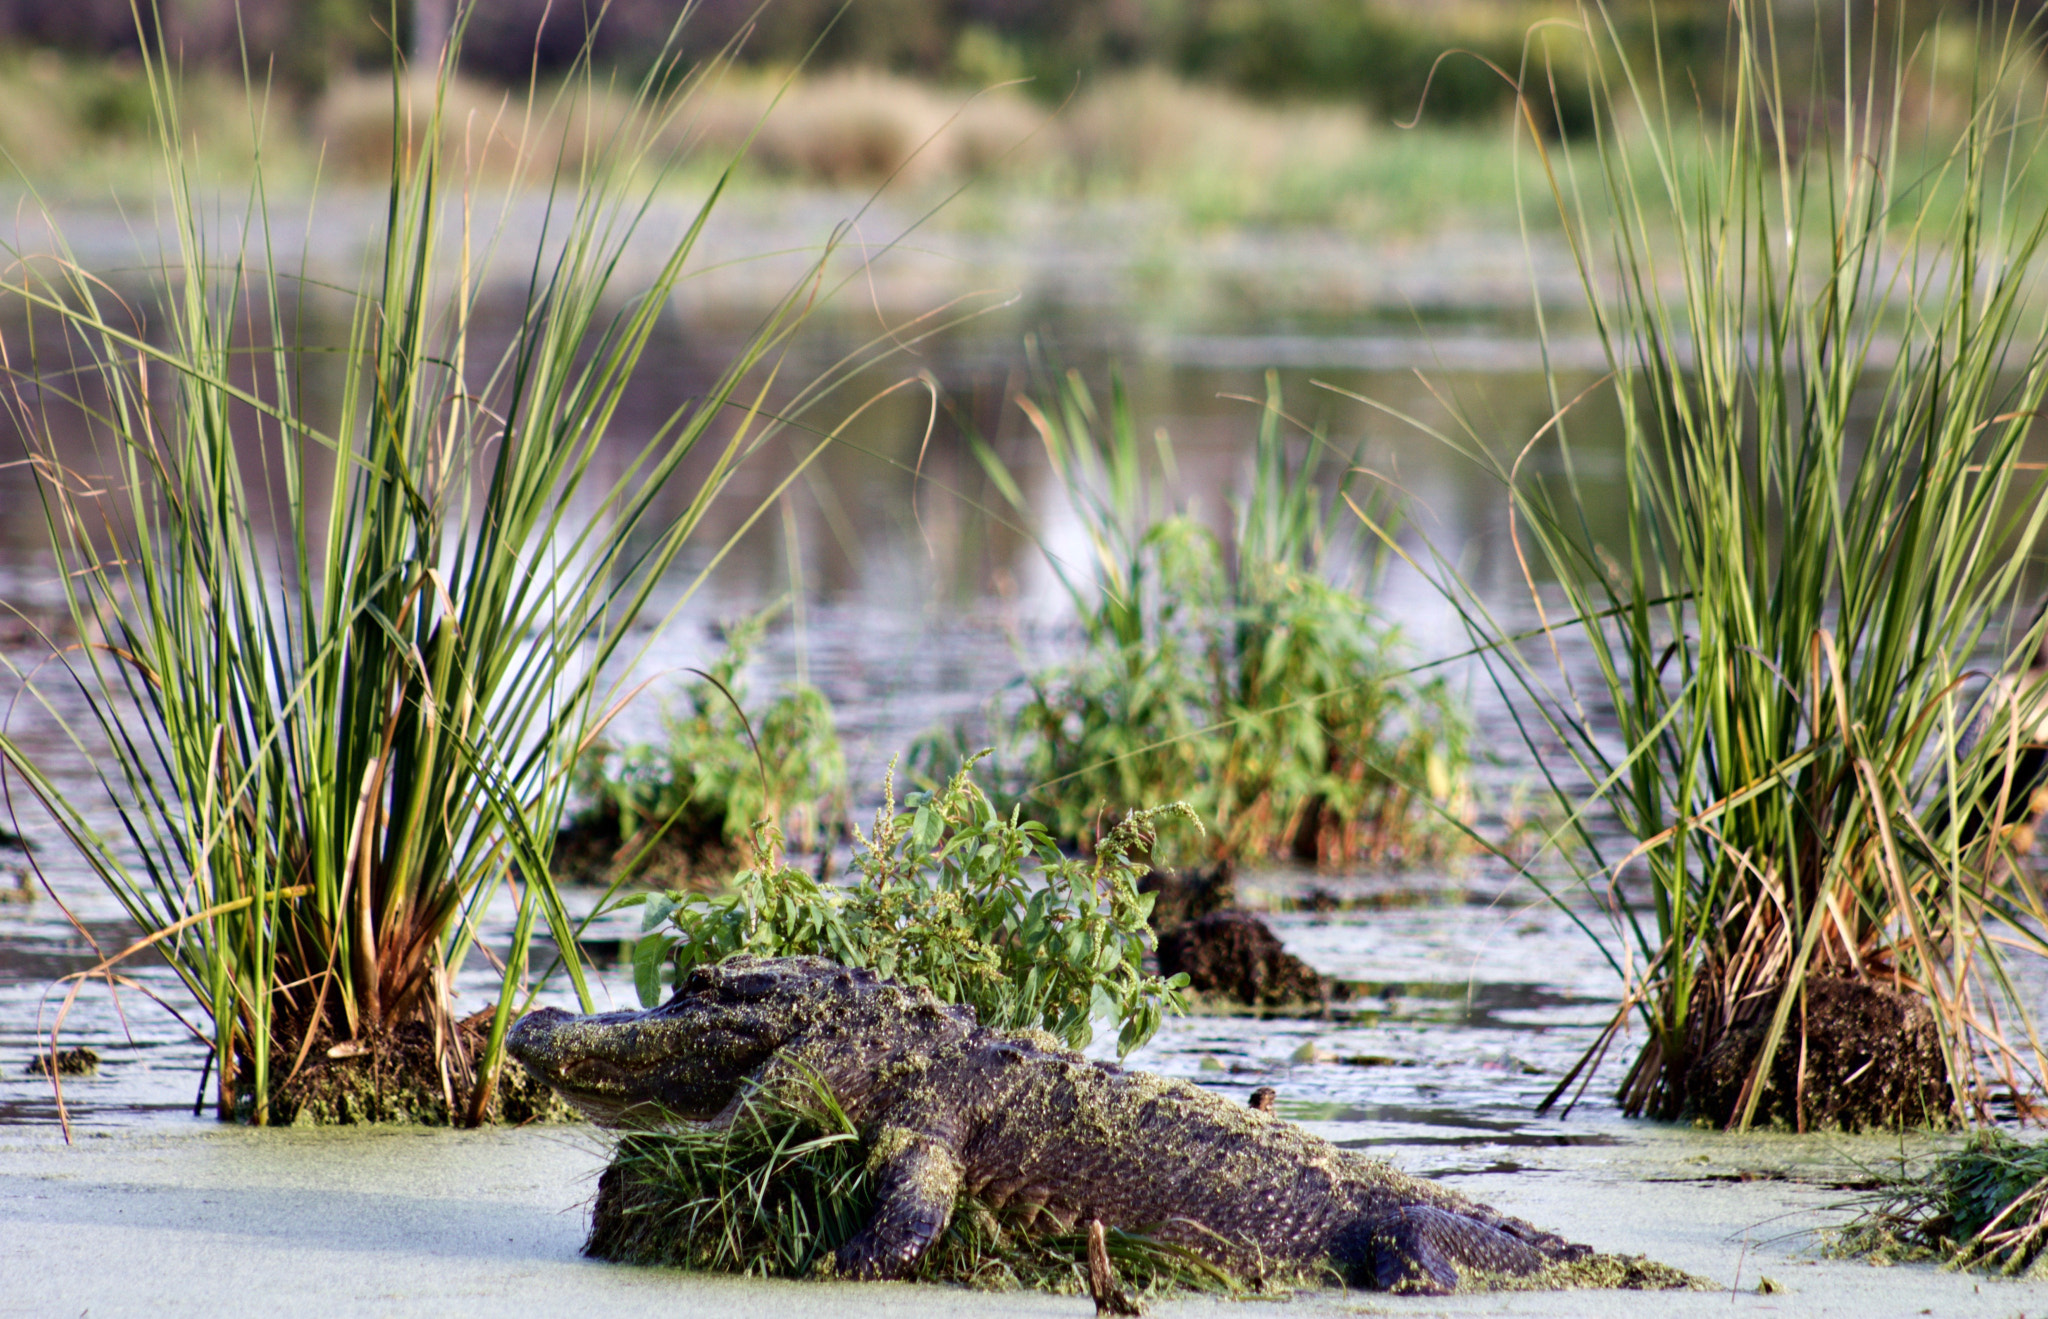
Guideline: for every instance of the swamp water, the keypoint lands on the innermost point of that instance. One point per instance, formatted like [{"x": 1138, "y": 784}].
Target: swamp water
[{"x": 917, "y": 597}]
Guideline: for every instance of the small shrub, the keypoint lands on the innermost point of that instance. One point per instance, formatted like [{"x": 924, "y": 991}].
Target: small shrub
[
  {"x": 980, "y": 907},
  {"x": 1244, "y": 679},
  {"x": 681, "y": 810}
]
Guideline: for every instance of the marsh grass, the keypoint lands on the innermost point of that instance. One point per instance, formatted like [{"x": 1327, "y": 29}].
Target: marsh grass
[
  {"x": 1249, "y": 675},
  {"x": 681, "y": 811},
  {"x": 1827, "y": 361},
  {"x": 339, "y": 661},
  {"x": 774, "y": 1192},
  {"x": 1983, "y": 1206}
]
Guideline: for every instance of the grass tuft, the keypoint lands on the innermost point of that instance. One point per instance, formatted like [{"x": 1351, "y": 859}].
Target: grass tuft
[{"x": 1983, "y": 1206}]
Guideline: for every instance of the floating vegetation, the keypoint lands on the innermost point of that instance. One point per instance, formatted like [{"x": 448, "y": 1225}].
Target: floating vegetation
[
  {"x": 1828, "y": 508},
  {"x": 980, "y": 907},
  {"x": 678, "y": 814},
  {"x": 1983, "y": 1206},
  {"x": 1251, "y": 678},
  {"x": 81, "y": 1061}
]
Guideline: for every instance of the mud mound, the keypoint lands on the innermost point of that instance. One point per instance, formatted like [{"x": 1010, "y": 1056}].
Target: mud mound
[
  {"x": 1232, "y": 954},
  {"x": 397, "y": 1076},
  {"x": 692, "y": 854},
  {"x": 1872, "y": 1058},
  {"x": 1181, "y": 896}
]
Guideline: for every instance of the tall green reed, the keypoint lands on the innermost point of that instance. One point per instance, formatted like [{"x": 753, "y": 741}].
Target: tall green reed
[
  {"x": 1826, "y": 356},
  {"x": 336, "y": 671}
]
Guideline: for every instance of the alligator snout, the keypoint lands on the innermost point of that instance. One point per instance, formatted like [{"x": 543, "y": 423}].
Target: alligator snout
[{"x": 527, "y": 1039}]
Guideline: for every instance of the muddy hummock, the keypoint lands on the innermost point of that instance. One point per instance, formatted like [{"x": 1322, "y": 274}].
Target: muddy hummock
[
  {"x": 399, "y": 1076},
  {"x": 691, "y": 854},
  {"x": 1233, "y": 954},
  {"x": 1180, "y": 896},
  {"x": 945, "y": 1109},
  {"x": 1225, "y": 951},
  {"x": 1869, "y": 1056}
]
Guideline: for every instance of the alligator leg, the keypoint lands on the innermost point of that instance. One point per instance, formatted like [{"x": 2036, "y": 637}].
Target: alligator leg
[
  {"x": 1423, "y": 1249},
  {"x": 917, "y": 1178}
]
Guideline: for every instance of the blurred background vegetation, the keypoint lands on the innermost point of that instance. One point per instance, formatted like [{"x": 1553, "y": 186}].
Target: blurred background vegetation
[{"x": 1296, "y": 100}]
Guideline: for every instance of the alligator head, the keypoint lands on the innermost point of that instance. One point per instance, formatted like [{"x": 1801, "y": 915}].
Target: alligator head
[{"x": 687, "y": 1058}]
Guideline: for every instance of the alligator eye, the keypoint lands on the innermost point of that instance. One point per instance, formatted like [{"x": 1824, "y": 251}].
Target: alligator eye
[
  {"x": 753, "y": 985},
  {"x": 590, "y": 1071}
]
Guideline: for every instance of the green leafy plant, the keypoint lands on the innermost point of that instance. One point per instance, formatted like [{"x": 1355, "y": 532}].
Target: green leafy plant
[
  {"x": 682, "y": 810},
  {"x": 981, "y": 907},
  {"x": 1246, "y": 678},
  {"x": 1826, "y": 362},
  {"x": 339, "y": 667}
]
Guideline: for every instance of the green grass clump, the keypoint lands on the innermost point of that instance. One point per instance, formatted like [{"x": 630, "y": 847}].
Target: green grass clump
[
  {"x": 1250, "y": 678},
  {"x": 1827, "y": 355},
  {"x": 1983, "y": 1206},
  {"x": 777, "y": 1190},
  {"x": 681, "y": 811},
  {"x": 347, "y": 632},
  {"x": 980, "y": 907}
]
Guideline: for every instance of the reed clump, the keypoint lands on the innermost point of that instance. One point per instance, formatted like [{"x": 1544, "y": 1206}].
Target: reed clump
[
  {"x": 1827, "y": 355},
  {"x": 344, "y": 642},
  {"x": 1249, "y": 675}
]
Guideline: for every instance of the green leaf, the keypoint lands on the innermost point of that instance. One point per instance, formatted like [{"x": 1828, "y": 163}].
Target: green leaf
[{"x": 650, "y": 955}]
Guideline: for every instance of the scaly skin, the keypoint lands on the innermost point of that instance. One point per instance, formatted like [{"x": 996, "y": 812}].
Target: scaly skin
[{"x": 1027, "y": 1126}]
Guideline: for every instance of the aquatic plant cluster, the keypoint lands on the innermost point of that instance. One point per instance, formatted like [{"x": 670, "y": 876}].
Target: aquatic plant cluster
[
  {"x": 1827, "y": 366},
  {"x": 1252, "y": 677},
  {"x": 1247, "y": 676},
  {"x": 980, "y": 907},
  {"x": 680, "y": 811}
]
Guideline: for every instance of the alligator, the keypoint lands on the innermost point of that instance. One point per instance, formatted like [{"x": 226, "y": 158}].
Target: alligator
[{"x": 1032, "y": 1129}]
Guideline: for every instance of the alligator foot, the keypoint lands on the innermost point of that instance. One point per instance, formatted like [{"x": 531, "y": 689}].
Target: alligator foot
[{"x": 1424, "y": 1250}]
